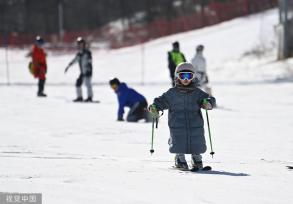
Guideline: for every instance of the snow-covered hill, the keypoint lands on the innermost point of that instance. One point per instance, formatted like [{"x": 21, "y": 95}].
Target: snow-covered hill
[
  {"x": 226, "y": 45},
  {"x": 78, "y": 153}
]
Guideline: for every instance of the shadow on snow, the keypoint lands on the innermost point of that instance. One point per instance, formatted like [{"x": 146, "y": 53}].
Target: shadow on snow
[{"x": 223, "y": 173}]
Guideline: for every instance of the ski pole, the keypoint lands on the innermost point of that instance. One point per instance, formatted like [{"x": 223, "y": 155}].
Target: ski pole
[
  {"x": 210, "y": 136},
  {"x": 155, "y": 120},
  {"x": 152, "y": 144}
]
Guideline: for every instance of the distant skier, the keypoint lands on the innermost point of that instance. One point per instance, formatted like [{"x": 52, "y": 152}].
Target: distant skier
[
  {"x": 84, "y": 59},
  {"x": 175, "y": 57},
  {"x": 199, "y": 63},
  {"x": 38, "y": 65},
  {"x": 184, "y": 102},
  {"x": 128, "y": 97}
]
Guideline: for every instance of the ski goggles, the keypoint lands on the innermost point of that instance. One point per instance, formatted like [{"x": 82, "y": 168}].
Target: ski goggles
[{"x": 185, "y": 75}]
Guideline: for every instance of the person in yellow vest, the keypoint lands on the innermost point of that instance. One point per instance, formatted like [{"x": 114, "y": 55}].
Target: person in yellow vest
[{"x": 175, "y": 57}]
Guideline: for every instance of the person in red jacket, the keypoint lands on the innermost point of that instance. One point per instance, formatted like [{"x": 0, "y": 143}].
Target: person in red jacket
[{"x": 39, "y": 64}]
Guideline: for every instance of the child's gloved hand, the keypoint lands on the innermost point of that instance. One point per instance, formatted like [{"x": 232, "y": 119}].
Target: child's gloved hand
[
  {"x": 206, "y": 105},
  {"x": 153, "y": 110}
]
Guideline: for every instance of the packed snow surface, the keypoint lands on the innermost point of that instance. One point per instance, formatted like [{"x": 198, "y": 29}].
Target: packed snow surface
[{"x": 78, "y": 153}]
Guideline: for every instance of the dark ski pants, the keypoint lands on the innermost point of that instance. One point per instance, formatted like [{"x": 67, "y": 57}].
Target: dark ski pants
[
  {"x": 88, "y": 83},
  {"x": 138, "y": 111},
  {"x": 172, "y": 76},
  {"x": 41, "y": 86}
]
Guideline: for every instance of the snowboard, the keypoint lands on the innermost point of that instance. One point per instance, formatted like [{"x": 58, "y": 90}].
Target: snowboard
[{"x": 96, "y": 101}]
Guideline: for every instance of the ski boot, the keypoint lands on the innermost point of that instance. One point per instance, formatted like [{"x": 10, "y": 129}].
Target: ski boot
[
  {"x": 42, "y": 95},
  {"x": 78, "y": 99},
  {"x": 196, "y": 166},
  {"x": 182, "y": 165},
  {"x": 89, "y": 99}
]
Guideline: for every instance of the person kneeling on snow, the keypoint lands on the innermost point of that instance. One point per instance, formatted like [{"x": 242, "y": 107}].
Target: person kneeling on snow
[
  {"x": 184, "y": 102},
  {"x": 128, "y": 97}
]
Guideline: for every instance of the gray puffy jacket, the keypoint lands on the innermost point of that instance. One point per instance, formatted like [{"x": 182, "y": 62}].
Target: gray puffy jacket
[
  {"x": 84, "y": 59},
  {"x": 185, "y": 119}
]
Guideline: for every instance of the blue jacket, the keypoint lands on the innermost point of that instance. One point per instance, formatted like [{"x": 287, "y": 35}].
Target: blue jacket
[{"x": 127, "y": 97}]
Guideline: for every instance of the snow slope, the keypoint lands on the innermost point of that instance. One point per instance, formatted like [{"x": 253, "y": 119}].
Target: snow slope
[
  {"x": 78, "y": 153},
  {"x": 225, "y": 43}
]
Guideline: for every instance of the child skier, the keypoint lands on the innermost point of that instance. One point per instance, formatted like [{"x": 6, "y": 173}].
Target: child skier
[{"x": 184, "y": 102}]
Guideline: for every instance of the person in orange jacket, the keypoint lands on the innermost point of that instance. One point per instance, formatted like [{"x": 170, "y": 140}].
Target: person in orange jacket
[{"x": 39, "y": 64}]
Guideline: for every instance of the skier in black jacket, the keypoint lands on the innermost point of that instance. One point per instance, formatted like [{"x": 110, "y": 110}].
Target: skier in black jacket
[
  {"x": 175, "y": 57},
  {"x": 84, "y": 59}
]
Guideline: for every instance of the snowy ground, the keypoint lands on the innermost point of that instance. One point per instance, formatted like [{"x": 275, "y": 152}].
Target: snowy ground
[{"x": 78, "y": 153}]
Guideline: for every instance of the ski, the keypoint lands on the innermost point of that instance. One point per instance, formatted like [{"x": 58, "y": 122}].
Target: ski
[
  {"x": 290, "y": 167},
  {"x": 180, "y": 169},
  {"x": 205, "y": 168}
]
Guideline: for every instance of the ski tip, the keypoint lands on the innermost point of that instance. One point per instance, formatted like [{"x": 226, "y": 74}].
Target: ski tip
[{"x": 181, "y": 169}]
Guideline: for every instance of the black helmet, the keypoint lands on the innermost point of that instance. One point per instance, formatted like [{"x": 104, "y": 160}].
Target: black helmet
[
  {"x": 175, "y": 44},
  {"x": 200, "y": 48},
  {"x": 80, "y": 40}
]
